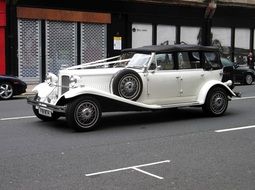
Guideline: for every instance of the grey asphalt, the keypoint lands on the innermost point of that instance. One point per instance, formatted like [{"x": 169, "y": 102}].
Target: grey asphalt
[{"x": 50, "y": 155}]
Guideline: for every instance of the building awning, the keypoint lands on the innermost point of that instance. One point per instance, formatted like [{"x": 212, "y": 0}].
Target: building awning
[
  {"x": 200, "y": 3},
  {"x": 63, "y": 15}
]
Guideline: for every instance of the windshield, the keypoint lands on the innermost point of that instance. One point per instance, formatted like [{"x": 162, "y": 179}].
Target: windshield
[
  {"x": 226, "y": 62},
  {"x": 139, "y": 60}
]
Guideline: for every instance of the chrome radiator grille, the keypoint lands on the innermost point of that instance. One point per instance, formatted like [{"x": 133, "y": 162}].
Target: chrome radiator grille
[{"x": 65, "y": 84}]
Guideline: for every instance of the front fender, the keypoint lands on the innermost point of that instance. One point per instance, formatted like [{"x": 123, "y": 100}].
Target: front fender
[
  {"x": 43, "y": 89},
  {"x": 209, "y": 85},
  {"x": 83, "y": 91}
]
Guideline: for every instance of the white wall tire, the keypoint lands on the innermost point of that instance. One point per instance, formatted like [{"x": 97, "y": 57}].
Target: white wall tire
[{"x": 84, "y": 113}]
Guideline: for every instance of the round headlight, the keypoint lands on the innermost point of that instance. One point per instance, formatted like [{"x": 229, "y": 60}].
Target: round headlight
[
  {"x": 74, "y": 80},
  {"x": 50, "y": 77}
]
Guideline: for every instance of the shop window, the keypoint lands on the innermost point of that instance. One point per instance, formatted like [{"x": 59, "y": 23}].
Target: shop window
[
  {"x": 141, "y": 35},
  {"x": 242, "y": 45},
  {"x": 190, "y": 35},
  {"x": 221, "y": 38},
  {"x": 166, "y": 35}
]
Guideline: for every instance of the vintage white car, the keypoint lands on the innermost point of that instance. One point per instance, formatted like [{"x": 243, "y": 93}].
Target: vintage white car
[{"x": 146, "y": 78}]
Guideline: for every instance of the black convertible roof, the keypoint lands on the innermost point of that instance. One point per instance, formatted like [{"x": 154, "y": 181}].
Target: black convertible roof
[{"x": 170, "y": 48}]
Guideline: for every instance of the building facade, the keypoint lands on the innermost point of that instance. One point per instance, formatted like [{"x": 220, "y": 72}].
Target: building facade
[
  {"x": 2, "y": 35},
  {"x": 44, "y": 36}
]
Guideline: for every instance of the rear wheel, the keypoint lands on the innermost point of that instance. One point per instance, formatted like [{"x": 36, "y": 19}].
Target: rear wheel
[
  {"x": 248, "y": 79},
  {"x": 216, "y": 102},
  {"x": 84, "y": 113}
]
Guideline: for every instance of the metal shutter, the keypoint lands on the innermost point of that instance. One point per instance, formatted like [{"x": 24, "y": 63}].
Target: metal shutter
[
  {"x": 93, "y": 42},
  {"x": 29, "y": 52},
  {"x": 61, "y": 45}
]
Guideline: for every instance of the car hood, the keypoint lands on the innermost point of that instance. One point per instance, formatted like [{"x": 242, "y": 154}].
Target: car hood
[{"x": 244, "y": 68}]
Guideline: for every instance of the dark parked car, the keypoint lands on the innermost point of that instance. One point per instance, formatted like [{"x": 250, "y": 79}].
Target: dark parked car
[
  {"x": 10, "y": 86},
  {"x": 240, "y": 74}
]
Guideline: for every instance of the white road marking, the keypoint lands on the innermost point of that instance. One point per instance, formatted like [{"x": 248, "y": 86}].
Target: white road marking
[
  {"x": 132, "y": 167},
  {"x": 147, "y": 173},
  {"x": 234, "y": 129},
  {"x": 16, "y": 118}
]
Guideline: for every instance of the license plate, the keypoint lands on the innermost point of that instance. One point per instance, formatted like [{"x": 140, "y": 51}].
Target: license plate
[{"x": 45, "y": 112}]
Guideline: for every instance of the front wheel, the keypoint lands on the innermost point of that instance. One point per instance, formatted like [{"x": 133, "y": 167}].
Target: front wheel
[
  {"x": 216, "y": 102},
  {"x": 84, "y": 113}
]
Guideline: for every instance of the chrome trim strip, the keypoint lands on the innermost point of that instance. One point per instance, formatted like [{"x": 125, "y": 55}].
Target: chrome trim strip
[{"x": 31, "y": 101}]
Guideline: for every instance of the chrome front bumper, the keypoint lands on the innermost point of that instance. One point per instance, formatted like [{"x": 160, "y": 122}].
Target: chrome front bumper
[{"x": 60, "y": 109}]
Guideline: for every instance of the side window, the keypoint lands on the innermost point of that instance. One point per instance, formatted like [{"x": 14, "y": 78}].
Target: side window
[
  {"x": 183, "y": 60},
  {"x": 165, "y": 61},
  {"x": 195, "y": 60},
  {"x": 189, "y": 60},
  {"x": 212, "y": 59}
]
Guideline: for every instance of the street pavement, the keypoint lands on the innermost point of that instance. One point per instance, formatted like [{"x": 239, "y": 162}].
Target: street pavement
[{"x": 181, "y": 149}]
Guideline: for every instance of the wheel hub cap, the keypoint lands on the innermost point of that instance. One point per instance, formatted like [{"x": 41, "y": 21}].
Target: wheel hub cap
[
  {"x": 249, "y": 79},
  {"x": 129, "y": 87},
  {"x": 218, "y": 101},
  {"x": 86, "y": 113},
  {"x": 5, "y": 91}
]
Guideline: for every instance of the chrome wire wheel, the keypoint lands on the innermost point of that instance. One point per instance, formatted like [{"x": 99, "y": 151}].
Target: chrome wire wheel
[
  {"x": 6, "y": 91},
  {"x": 218, "y": 102},
  {"x": 86, "y": 114},
  {"x": 129, "y": 87}
]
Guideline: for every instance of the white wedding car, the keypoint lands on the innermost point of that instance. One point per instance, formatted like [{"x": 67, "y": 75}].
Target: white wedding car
[{"x": 146, "y": 78}]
